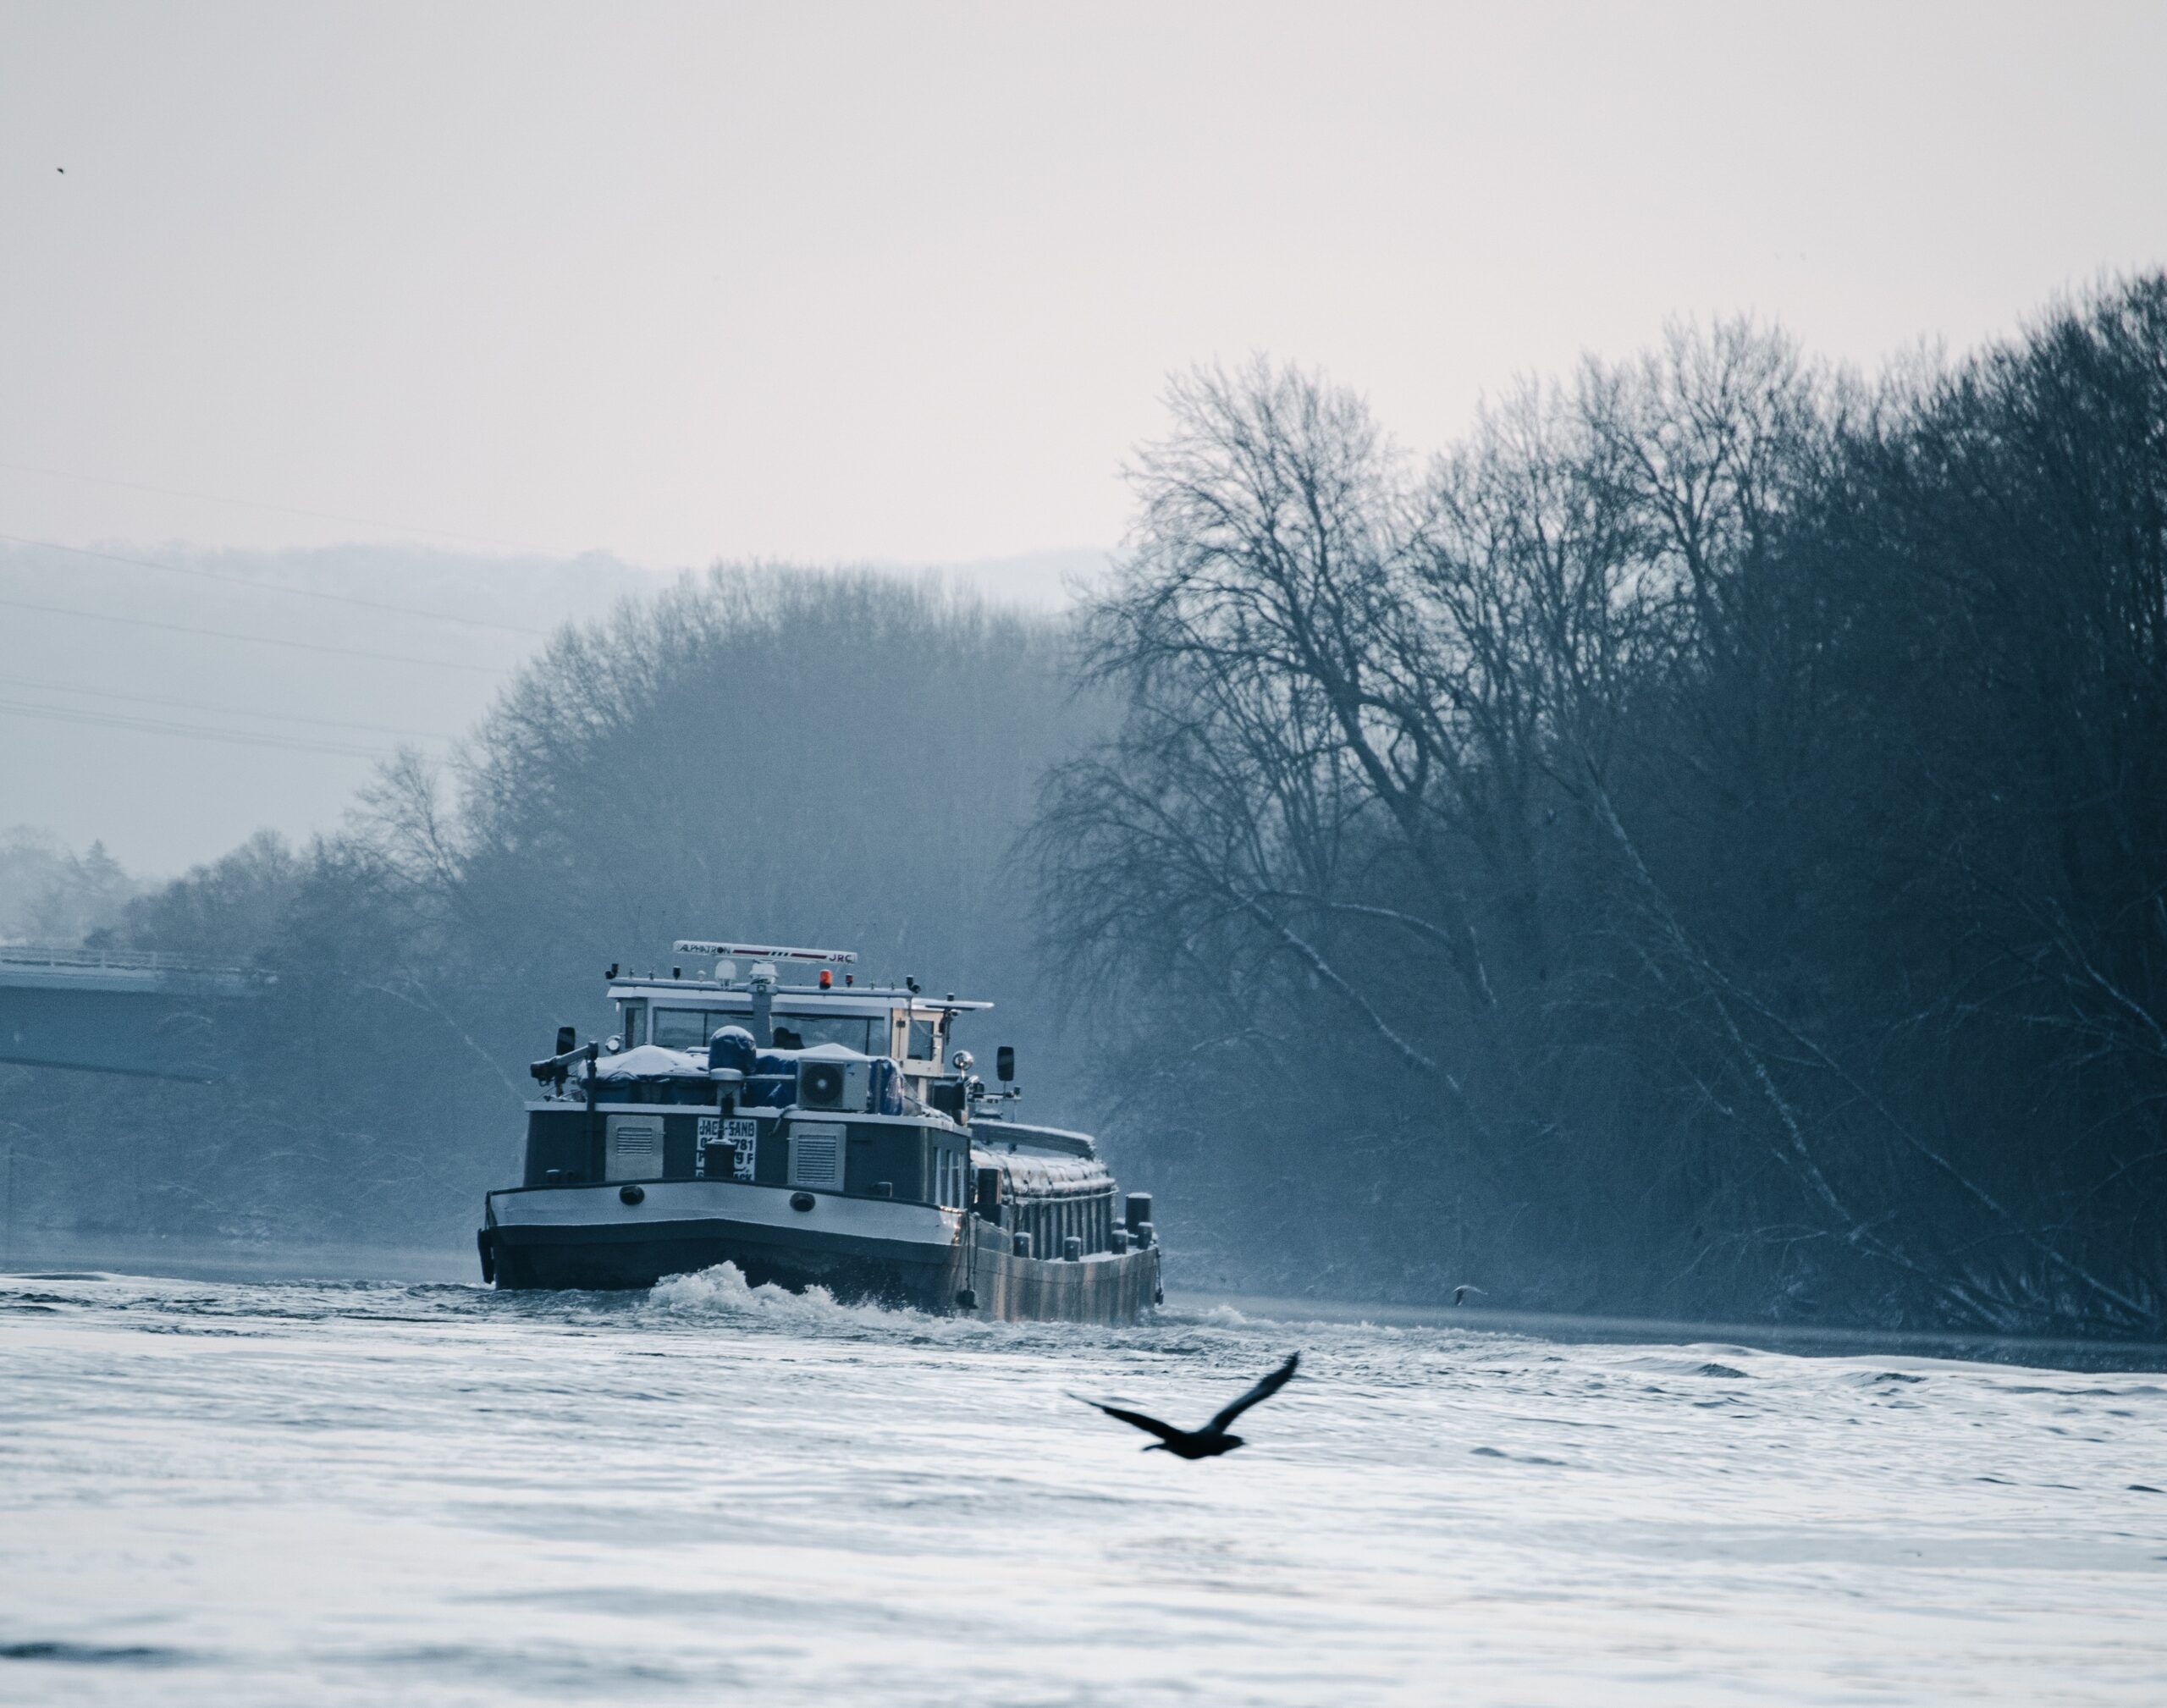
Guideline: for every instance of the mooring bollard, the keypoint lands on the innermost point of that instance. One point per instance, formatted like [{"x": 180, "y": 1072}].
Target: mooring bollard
[
  {"x": 1071, "y": 1249},
  {"x": 1023, "y": 1245},
  {"x": 1145, "y": 1234}
]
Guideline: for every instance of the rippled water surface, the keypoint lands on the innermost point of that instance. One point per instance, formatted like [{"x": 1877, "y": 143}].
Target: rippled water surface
[{"x": 371, "y": 1492}]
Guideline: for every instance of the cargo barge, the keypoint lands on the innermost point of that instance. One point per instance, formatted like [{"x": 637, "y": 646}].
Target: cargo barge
[{"x": 814, "y": 1134}]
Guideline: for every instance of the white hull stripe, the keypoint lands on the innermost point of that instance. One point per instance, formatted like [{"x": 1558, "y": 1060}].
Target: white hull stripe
[{"x": 691, "y": 1200}]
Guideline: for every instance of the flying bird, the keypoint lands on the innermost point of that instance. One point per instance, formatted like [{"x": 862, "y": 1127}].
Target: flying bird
[
  {"x": 1462, "y": 1290},
  {"x": 1212, "y": 1439}
]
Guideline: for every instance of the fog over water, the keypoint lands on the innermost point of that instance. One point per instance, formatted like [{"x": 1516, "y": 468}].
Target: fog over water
[{"x": 234, "y": 1493}]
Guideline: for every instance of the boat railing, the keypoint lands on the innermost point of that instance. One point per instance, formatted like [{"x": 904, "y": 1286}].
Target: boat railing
[{"x": 1029, "y": 1136}]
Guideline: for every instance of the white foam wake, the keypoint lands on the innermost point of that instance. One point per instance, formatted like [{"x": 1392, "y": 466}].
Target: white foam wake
[{"x": 724, "y": 1292}]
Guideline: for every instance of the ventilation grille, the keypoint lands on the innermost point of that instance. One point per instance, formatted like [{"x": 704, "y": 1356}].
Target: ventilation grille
[
  {"x": 816, "y": 1156},
  {"x": 635, "y": 1148}
]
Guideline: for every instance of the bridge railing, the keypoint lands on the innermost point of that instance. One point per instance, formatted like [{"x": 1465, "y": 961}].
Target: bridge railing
[{"x": 54, "y": 955}]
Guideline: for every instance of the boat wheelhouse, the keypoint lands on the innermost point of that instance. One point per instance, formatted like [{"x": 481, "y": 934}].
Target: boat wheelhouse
[{"x": 814, "y": 1133}]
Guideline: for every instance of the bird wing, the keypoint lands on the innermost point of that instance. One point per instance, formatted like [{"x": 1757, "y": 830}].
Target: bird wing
[
  {"x": 1263, "y": 1391},
  {"x": 1164, "y": 1432}
]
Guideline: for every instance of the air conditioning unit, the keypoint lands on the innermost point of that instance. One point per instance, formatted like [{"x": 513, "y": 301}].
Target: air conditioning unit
[{"x": 831, "y": 1084}]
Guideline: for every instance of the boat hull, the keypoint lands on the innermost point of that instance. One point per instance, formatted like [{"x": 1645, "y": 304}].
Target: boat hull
[{"x": 859, "y": 1249}]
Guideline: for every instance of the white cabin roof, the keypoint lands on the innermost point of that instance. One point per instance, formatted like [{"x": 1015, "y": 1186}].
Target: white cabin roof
[{"x": 801, "y": 999}]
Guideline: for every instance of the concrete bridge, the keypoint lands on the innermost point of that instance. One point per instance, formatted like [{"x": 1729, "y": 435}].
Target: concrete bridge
[{"x": 121, "y": 1010}]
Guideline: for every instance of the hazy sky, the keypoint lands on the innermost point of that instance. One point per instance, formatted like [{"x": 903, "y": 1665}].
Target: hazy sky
[
  {"x": 885, "y": 283},
  {"x": 902, "y": 282}
]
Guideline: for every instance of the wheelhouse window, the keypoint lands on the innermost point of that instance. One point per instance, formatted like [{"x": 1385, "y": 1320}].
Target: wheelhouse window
[
  {"x": 681, "y": 1028},
  {"x": 923, "y": 1041},
  {"x": 851, "y": 1031},
  {"x": 635, "y": 1025},
  {"x": 690, "y": 1028}
]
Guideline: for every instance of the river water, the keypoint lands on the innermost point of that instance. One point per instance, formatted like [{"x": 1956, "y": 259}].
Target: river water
[{"x": 232, "y": 1494}]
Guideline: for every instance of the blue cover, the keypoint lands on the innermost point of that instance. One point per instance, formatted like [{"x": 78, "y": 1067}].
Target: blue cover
[
  {"x": 732, "y": 1047},
  {"x": 887, "y": 1086},
  {"x": 768, "y": 1091}
]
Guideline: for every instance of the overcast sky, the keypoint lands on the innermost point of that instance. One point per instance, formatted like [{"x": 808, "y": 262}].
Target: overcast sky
[{"x": 903, "y": 282}]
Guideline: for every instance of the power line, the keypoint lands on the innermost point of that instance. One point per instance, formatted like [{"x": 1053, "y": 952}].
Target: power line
[
  {"x": 261, "y": 639},
  {"x": 281, "y": 509},
  {"x": 242, "y": 738},
  {"x": 273, "y": 587},
  {"x": 227, "y": 711}
]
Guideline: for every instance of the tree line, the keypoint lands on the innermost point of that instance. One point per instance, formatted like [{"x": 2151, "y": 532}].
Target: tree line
[
  {"x": 839, "y": 759},
  {"x": 1697, "y": 846}
]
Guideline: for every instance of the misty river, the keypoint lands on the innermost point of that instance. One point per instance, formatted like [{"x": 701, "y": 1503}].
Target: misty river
[{"x": 236, "y": 1494}]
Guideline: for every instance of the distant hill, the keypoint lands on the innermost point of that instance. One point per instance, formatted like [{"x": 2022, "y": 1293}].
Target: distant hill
[{"x": 169, "y": 701}]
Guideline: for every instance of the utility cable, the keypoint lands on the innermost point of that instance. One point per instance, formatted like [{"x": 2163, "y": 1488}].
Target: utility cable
[
  {"x": 273, "y": 588},
  {"x": 281, "y": 509},
  {"x": 245, "y": 738},
  {"x": 226, "y": 711},
  {"x": 261, "y": 639}
]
